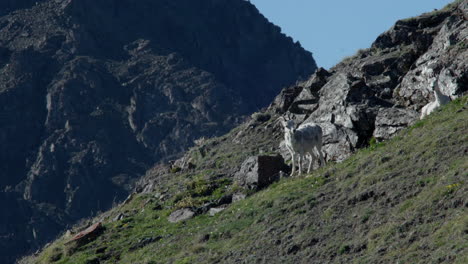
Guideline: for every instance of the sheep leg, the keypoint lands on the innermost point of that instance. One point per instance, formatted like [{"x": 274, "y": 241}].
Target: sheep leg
[
  {"x": 322, "y": 160},
  {"x": 310, "y": 163},
  {"x": 300, "y": 164},
  {"x": 293, "y": 164}
]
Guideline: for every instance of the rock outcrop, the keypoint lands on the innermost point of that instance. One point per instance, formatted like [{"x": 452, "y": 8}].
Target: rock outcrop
[
  {"x": 260, "y": 171},
  {"x": 181, "y": 215},
  {"x": 381, "y": 90},
  {"x": 93, "y": 93}
]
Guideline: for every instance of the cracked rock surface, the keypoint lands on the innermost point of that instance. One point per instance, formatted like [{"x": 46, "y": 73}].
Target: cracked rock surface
[{"x": 381, "y": 90}]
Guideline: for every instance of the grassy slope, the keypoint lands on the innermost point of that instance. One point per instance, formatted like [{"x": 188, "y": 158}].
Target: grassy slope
[{"x": 402, "y": 201}]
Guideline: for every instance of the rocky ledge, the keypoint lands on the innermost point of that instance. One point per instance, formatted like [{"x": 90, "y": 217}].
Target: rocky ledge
[{"x": 381, "y": 90}]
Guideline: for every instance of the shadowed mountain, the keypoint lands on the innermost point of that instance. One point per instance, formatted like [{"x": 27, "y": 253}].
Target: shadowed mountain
[{"x": 92, "y": 93}]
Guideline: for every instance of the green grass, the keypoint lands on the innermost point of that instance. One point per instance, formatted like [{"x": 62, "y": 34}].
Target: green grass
[{"x": 403, "y": 201}]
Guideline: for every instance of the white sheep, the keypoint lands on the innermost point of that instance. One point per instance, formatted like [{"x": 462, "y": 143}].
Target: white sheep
[
  {"x": 301, "y": 141},
  {"x": 440, "y": 99}
]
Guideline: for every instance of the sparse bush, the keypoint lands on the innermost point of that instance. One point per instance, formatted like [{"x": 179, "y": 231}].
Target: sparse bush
[
  {"x": 261, "y": 117},
  {"x": 56, "y": 255},
  {"x": 188, "y": 202},
  {"x": 175, "y": 169},
  {"x": 344, "y": 249},
  {"x": 200, "y": 141},
  {"x": 199, "y": 187},
  {"x": 374, "y": 144}
]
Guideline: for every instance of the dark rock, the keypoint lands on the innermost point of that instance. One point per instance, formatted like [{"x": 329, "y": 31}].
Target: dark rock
[
  {"x": 381, "y": 250},
  {"x": 307, "y": 101},
  {"x": 293, "y": 249},
  {"x": 359, "y": 248},
  {"x": 225, "y": 199},
  {"x": 181, "y": 215},
  {"x": 93, "y": 261},
  {"x": 258, "y": 172},
  {"x": 365, "y": 196},
  {"x": 204, "y": 238},
  {"x": 284, "y": 100},
  {"x": 101, "y": 250},
  {"x": 312, "y": 242},
  {"x": 261, "y": 117},
  {"x": 157, "y": 206}
]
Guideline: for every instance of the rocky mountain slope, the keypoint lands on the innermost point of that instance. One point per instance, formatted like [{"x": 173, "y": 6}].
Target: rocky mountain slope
[
  {"x": 93, "y": 93},
  {"x": 381, "y": 89},
  {"x": 400, "y": 200}
]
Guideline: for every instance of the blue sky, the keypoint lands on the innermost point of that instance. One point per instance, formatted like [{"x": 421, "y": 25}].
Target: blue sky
[{"x": 332, "y": 30}]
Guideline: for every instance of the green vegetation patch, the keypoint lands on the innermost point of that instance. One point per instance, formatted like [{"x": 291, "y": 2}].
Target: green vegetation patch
[{"x": 403, "y": 200}]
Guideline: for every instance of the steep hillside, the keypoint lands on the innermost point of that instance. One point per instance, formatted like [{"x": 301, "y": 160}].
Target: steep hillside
[
  {"x": 404, "y": 200},
  {"x": 363, "y": 100},
  {"x": 401, "y": 200},
  {"x": 93, "y": 93}
]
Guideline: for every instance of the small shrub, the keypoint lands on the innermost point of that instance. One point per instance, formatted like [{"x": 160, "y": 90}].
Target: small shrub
[
  {"x": 452, "y": 188},
  {"x": 55, "y": 255},
  {"x": 328, "y": 213},
  {"x": 175, "y": 169},
  {"x": 200, "y": 141},
  {"x": 188, "y": 202},
  {"x": 344, "y": 249},
  {"x": 198, "y": 248},
  {"x": 374, "y": 144},
  {"x": 366, "y": 216},
  {"x": 199, "y": 187}
]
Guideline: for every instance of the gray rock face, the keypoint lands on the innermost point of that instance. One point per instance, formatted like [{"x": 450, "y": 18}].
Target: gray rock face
[
  {"x": 391, "y": 120},
  {"x": 446, "y": 58},
  {"x": 181, "y": 215},
  {"x": 260, "y": 171},
  {"x": 93, "y": 93},
  {"x": 381, "y": 90}
]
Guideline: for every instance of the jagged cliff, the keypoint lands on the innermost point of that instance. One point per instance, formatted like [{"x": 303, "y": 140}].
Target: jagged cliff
[
  {"x": 382, "y": 89},
  {"x": 93, "y": 93}
]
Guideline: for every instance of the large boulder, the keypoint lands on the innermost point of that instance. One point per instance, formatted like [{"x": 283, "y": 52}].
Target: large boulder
[
  {"x": 181, "y": 215},
  {"x": 87, "y": 235},
  {"x": 258, "y": 172}
]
